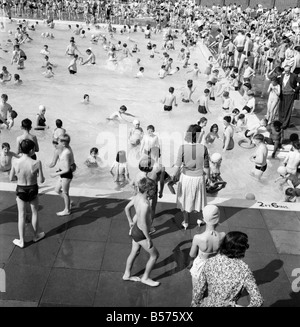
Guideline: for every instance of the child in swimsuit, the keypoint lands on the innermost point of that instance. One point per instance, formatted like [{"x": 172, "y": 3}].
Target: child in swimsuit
[
  {"x": 119, "y": 170},
  {"x": 6, "y": 157},
  {"x": 217, "y": 182},
  {"x": 139, "y": 231},
  {"x": 93, "y": 159},
  {"x": 40, "y": 119},
  {"x": 213, "y": 134}
]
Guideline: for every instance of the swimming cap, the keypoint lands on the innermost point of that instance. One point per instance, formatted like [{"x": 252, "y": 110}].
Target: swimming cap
[
  {"x": 211, "y": 214},
  {"x": 42, "y": 107},
  {"x": 136, "y": 122},
  {"x": 215, "y": 157},
  {"x": 281, "y": 170}
]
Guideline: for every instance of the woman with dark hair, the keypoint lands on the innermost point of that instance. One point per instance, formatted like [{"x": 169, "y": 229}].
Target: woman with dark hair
[
  {"x": 225, "y": 276},
  {"x": 194, "y": 159}
]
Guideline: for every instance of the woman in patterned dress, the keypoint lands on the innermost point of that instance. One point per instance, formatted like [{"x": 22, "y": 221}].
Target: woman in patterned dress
[{"x": 225, "y": 276}]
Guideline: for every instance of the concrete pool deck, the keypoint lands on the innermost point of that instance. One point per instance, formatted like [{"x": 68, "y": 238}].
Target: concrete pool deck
[{"x": 82, "y": 258}]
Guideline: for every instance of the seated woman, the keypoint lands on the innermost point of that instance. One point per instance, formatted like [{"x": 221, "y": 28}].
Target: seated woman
[{"x": 40, "y": 119}]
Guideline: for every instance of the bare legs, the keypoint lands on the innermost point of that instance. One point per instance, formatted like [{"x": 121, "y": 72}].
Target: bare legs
[
  {"x": 21, "y": 222},
  {"x": 62, "y": 188},
  {"x": 149, "y": 266}
]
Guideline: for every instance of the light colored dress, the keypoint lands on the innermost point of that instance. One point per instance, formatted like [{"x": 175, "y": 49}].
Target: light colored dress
[{"x": 191, "y": 192}]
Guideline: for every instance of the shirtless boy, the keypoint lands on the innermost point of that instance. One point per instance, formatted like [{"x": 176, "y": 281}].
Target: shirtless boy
[
  {"x": 6, "y": 157},
  {"x": 71, "y": 48},
  {"x": 26, "y": 126},
  {"x": 26, "y": 171},
  {"x": 18, "y": 57},
  {"x": 118, "y": 115},
  {"x": 91, "y": 59},
  {"x": 139, "y": 231},
  {"x": 259, "y": 157},
  {"x": 5, "y": 109},
  {"x": 65, "y": 172},
  {"x": 169, "y": 100},
  {"x": 292, "y": 160}
]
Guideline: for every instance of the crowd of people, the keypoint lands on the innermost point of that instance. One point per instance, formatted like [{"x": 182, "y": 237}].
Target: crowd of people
[{"x": 244, "y": 43}]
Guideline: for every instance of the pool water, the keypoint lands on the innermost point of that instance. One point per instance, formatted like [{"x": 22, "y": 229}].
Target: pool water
[{"x": 110, "y": 87}]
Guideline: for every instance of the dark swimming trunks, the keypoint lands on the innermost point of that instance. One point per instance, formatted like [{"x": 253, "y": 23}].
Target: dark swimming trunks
[
  {"x": 27, "y": 193},
  {"x": 262, "y": 168},
  {"x": 230, "y": 54},
  {"x": 247, "y": 109},
  {"x": 68, "y": 175},
  {"x": 167, "y": 108},
  {"x": 72, "y": 71},
  {"x": 240, "y": 49},
  {"x": 202, "y": 110},
  {"x": 137, "y": 234}
]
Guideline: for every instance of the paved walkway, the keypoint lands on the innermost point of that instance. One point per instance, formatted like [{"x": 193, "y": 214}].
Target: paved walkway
[{"x": 82, "y": 258}]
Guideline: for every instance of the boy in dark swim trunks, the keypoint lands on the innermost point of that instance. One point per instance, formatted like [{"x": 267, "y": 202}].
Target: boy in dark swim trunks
[
  {"x": 26, "y": 126},
  {"x": 169, "y": 100},
  {"x": 26, "y": 171},
  {"x": 66, "y": 168},
  {"x": 139, "y": 231}
]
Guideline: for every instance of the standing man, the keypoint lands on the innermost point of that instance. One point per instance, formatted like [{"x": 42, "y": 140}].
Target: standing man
[
  {"x": 5, "y": 108},
  {"x": 65, "y": 172},
  {"x": 26, "y": 171},
  {"x": 289, "y": 83}
]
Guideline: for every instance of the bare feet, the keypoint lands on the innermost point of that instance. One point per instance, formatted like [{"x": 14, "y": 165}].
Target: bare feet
[
  {"x": 150, "y": 282},
  {"x": 131, "y": 278},
  {"x": 39, "y": 237},
  {"x": 63, "y": 213},
  {"x": 18, "y": 243}
]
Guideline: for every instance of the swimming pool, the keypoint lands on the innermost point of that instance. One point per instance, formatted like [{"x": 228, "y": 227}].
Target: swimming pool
[{"x": 109, "y": 88}]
